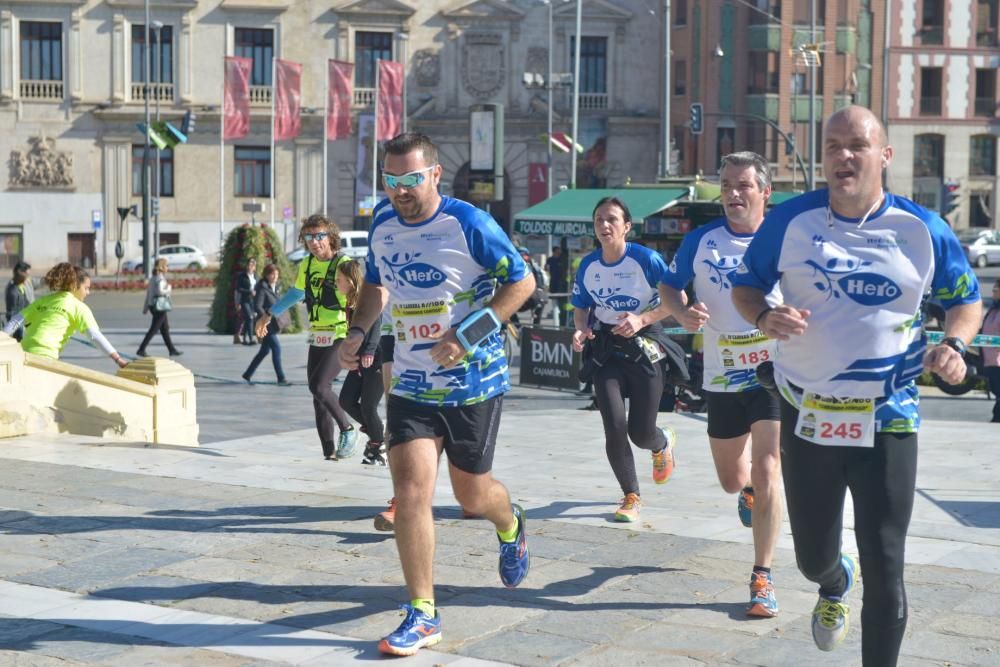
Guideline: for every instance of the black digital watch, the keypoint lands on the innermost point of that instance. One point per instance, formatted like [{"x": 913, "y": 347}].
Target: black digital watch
[{"x": 956, "y": 343}]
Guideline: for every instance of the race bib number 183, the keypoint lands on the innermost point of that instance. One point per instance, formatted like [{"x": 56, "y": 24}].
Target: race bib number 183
[
  {"x": 743, "y": 351},
  {"x": 840, "y": 422}
]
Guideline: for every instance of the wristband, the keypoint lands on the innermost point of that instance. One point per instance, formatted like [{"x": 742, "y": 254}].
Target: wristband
[
  {"x": 358, "y": 329},
  {"x": 762, "y": 313},
  {"x": 477, "y": 327},
  {"x": 956, "y": 344}
]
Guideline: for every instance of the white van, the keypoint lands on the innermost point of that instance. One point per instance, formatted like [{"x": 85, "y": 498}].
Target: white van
[{"x": 353, "y": 244}]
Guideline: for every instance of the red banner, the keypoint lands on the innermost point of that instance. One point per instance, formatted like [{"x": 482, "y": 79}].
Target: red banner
[
  {"x": 390, "y": 100},
  {"x": 236, "y": 98},
  {"x": 538, "y": 187},
  {"x": 287, "y": 100},
  {"x": 340, "y": 89}
]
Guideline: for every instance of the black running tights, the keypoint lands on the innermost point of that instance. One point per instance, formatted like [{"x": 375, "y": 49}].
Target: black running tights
[
  {"x": 322, "y": 367},
  {"x": 614, "y": 382},
  {"x": 882, "y": 481},
  {"x": 360, "y": 395}
]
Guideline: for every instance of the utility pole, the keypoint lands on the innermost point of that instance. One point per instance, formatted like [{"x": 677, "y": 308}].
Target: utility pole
[
  {"x": 157, "y": 67},
  {"x": 665, "y": 146},
  {"x": 811, "y": 176},
  {"x": 576, "y": 96},
  {"x": 146, "y": 264},
  {"x": 548, "y": 140}
]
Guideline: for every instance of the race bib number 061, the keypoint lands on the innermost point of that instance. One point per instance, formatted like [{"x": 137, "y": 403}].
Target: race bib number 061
[
  {"x": 839, "y": 422},
  {"x": 321, "y": 339}
]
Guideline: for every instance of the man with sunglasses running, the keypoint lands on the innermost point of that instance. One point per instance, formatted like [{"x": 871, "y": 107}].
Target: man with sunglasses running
[{"x": 438, "y": 262}]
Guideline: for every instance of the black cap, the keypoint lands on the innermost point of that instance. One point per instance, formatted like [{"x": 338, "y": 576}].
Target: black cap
[{"x": 22, "y": 266}]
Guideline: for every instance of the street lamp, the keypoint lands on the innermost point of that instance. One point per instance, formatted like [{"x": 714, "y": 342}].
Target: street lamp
[
  {"x": 157, "y": 27},
  {"x": 576, "y": 95},
  {"x": 146, "y": 264}
]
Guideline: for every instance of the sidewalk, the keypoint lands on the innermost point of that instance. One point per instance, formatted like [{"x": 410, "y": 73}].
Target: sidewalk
[{"x": 256, "y": 551}]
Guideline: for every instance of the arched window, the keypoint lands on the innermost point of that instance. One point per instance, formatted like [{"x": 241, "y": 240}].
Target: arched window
[
  {"x": 928, "y": 155},
  {"x": 982, "y": 155}
]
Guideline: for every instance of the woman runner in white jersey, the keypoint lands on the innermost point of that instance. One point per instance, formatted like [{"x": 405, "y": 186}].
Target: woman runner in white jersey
[{"x": 617, "y": 314}]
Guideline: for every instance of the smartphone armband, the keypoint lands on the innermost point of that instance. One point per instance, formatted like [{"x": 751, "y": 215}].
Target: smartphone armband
[{"x": 477, "y": 327}]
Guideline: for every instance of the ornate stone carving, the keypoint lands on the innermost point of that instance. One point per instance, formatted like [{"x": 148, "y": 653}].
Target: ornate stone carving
[
  {"x": 427, "y": 67},
  {"x": 484, "y": 64},
  {"x": 537, "y": 60},
  {"x": 41, "y": 166}
]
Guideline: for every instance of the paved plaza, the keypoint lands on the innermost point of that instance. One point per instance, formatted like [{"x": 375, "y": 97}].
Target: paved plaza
[{"x": 253, "y": 550}]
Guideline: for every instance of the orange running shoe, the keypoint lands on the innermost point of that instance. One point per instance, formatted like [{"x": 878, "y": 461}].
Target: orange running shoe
[
  {"x": 386, "y": 521},
  {"x": 762, "y": 600},
  {"x": 628, "y": 510},
  {"x": 663, "y": 460}
]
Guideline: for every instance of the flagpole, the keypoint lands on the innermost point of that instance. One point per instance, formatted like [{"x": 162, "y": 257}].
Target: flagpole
[
  {"x": 273, "y": 95},
  {"x": 326, "y": 139},
  {"x": 222, "y": 160},
  {"x": 375, "y": 141}
]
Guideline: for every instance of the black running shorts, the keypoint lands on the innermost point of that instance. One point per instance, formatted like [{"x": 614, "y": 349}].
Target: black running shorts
[
  {"x": 730, "y": 414},
  {"x": 469, "y": 431}
]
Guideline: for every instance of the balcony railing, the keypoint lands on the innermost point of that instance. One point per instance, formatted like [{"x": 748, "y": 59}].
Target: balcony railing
[
  {"x": 593, "y": 101},
  {"x": 42, "y": 90},
  {"x": 364, "y": 97},
  {"x": 985, "y": 106},
  {"x": 260, "y": 96},
  {"x": 163, "y": 92},
  {"x": 930, "y": 106}
]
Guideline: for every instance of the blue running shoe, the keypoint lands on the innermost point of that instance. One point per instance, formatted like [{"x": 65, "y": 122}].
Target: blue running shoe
[
  {"x": 831, "y": 616},
  {"x": 514, "y": 560},
  {"x": 347, "y": 443},
  {"x": 762, "y": 600},
  {"x": 744, "y": 506},
  {"x": 415, "y": 632}
]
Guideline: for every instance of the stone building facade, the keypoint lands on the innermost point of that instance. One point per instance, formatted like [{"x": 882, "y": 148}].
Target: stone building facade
[{"x": 71, "y": 93}]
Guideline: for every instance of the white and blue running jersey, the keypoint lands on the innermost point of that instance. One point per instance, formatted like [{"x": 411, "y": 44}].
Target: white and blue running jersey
[
  {"x": 709, "y": 256},
  {"x": 627, "y": 286},
  {"x": 437, "y": 272},
  {"x": 863, "y": 286}
]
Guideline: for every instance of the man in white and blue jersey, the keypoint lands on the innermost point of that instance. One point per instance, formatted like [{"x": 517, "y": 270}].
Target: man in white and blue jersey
[
  {"x": 438, "y": 261},
  {"x": 854, "y": 264},
  {"x": 740, "y": 411}
]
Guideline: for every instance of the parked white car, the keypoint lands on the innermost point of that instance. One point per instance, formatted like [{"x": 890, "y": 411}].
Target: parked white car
[
  {"x": 981, "y": 246},
  {"x": 177, "y": 256},
  {"x": 353, "y": 244}
]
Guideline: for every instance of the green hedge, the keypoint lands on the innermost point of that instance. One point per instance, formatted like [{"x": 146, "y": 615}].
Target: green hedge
[{"x": 242, "y": 244}]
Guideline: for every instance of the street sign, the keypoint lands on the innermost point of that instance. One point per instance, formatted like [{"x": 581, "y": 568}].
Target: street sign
[
  {"x": 287, "y": 213},
  {"x": 95, "y": 219},
  {"x": 253, "y": 207}
]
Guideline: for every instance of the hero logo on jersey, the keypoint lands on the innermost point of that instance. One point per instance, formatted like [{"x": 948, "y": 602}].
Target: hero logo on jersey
[
  {"x": 403, "y": 270},
  {"x": 623, "y": 302},
  {"x": 869, "y": 289}
]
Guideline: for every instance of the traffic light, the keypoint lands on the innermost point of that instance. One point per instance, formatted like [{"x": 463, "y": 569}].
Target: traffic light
[
  {"x": 949, "y": 197},
  {"x": 187, "y": 125},
  {"x": 696, "y": 120},
  {"x": 163, "y": 135}
]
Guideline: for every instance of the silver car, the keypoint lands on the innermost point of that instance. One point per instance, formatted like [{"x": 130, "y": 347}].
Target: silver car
[
  {"x": 177, "y": 256},
  {"x": 981, "y": 246}
]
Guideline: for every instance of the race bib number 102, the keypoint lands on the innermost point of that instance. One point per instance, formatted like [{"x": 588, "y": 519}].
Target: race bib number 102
[{"x": 839, "y": 422}]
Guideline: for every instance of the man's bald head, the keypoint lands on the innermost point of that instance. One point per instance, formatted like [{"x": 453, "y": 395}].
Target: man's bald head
[{"x": 854, "y": 114}]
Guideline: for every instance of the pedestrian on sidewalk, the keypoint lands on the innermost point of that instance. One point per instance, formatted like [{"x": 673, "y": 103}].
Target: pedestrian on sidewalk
[
  {"x": 362, "y": 390},
  {"x": 991, "y": 355},
  {"x": 49, "y": 321},
  {"x": 743, "y": 418},
  {"x": 853, "y": 263},
  {"x": 265, "y": 297},
  {"x": 158, "y": 304},
  {"x": 316, "y": 284},
  {"x": 20, "y": 293},
  {"x": 617, "y": 316},
  {"x": 246, "y": 286},
  {"x": 438, "y": 261}
]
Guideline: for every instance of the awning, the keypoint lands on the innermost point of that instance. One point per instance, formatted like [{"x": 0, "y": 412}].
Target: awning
[
  {"x": 780, "y": 197},
  {"x": 569, "y": 213}
]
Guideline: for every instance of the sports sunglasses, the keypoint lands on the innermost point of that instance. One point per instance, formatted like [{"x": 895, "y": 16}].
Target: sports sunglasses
[{"x": 408, "y": 180}]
